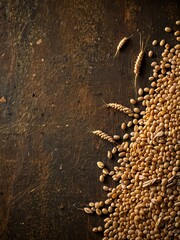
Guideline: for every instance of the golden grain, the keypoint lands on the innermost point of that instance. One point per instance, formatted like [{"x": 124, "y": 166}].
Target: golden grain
[
  {"x": 103, "y": 136},
  {"x": 100, "y": 164},
  {"x": 106, "y": 188},
  {"x": 145, "y": 203},
  {"x": 150, "y": 53},
  {"x": 162, "y": 42},
  {"x": 129, "y": 124},
  {"x": 104, "y": 211},
  {"x": 121, "y": 44},
  {"x": 138, "y": 61},
  {"x": 177, "y": 33},
  {"x": 88, "y": 210},
  {"x": 126, "y": 136},
  {"x": 105, "y": 171},
  {"x": 109, "y": 154},
  {"x": 98, "y": 212},
  {"x": 168, "y": 29},
  {"x": 116, "y": 137},
  {"x": 95, "y": 229},
  {"x": 100, "y": 229},
  {"x": 154, "y": 43},
  {"x": 101, "y": 178},
  {"x": 91, "y": 204},
  {"x": 136, "y": 110},
  {"x": 133, "y": 101},
  {"x": 140, "y": 91},
  {"x": 123, "y": 126},
  {"x": 114, "y": 150}
]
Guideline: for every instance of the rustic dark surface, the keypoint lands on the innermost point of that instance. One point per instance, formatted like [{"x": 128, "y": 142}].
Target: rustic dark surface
[{"x": 54, "y": 94}]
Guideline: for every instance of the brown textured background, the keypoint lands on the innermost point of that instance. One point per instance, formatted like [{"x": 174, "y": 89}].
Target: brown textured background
[{"x": 54, "y": 93}]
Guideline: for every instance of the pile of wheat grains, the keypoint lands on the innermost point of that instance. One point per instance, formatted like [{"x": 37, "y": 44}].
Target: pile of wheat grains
[{"x": 145, "y": 204}]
